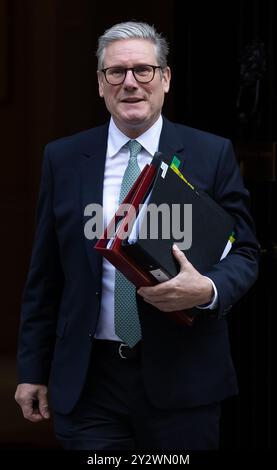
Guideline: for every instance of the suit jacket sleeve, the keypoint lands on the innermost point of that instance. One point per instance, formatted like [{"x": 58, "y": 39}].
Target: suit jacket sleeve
[
  {"x": 42, "y": 292},
  {"x": 235, "y": 274}
]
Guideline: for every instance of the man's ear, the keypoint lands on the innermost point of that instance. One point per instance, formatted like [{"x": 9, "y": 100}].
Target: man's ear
[
  {"x": 100, "y": 83},
  {"x": 166, "y": 79}
]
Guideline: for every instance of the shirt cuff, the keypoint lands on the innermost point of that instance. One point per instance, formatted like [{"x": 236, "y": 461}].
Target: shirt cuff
[{"x": 214, "y": 302}]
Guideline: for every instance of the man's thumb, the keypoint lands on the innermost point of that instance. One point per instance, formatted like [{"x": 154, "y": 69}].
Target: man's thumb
[
  {"x": 43, "y": 406},
  {"x": 179, "y": 255}
]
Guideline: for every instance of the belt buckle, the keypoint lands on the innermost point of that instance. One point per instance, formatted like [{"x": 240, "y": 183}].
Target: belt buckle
[{"x": 120, "y": 352}]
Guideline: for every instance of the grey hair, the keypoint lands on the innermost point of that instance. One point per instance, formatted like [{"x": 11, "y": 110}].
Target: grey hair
[{"x": 133, "y": 30}]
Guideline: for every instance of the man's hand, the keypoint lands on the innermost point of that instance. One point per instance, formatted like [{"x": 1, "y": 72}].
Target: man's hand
[
  {"x": 33, "y": 401},
  {"x": 186, "y": 290}
]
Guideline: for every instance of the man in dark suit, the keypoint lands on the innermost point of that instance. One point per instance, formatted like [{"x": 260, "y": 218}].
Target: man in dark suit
[{"x": 161, "y": 390}]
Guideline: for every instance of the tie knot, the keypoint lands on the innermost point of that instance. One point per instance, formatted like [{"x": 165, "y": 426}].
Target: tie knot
[{"x": 134, "y": 147}]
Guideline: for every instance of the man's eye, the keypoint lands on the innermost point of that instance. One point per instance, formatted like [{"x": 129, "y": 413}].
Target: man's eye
[
  {"x": 116, "y": 72},
  {"x": 142, "y": 70}
]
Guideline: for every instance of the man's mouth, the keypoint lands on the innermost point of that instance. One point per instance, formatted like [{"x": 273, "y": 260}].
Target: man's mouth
[{"x": 132, "y": 100}]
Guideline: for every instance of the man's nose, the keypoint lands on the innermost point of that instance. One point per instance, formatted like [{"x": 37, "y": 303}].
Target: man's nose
[{"x": 130, "y": 79}]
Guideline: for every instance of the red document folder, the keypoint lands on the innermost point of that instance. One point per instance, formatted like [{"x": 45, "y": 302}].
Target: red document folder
[{"x": 115, "y": 252}]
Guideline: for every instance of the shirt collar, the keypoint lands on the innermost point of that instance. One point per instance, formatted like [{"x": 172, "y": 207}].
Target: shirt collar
[{"x": 149, "y": 139}]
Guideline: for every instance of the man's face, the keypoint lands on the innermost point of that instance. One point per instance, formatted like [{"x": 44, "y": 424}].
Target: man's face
[{"x": 134, "y": 106}]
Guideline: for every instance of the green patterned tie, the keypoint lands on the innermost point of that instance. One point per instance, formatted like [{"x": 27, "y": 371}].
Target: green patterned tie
[{"x": 127, "y": 325}]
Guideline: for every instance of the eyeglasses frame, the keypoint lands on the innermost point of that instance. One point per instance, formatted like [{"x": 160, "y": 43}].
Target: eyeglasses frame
[{"x": 154, "y": 68}]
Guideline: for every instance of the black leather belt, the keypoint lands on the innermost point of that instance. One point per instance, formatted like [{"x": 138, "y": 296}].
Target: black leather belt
[{"x": 120, "y": 350}]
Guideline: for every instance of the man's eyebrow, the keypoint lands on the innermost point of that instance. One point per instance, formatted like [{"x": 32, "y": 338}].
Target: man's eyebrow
[{"x": 124, "y": 67}]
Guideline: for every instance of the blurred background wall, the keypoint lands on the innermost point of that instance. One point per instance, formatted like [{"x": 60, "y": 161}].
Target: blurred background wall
[{"x": 223, "y": 59}]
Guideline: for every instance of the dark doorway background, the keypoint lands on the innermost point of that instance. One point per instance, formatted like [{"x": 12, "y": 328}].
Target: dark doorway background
[{"x": 49, "y": 65}]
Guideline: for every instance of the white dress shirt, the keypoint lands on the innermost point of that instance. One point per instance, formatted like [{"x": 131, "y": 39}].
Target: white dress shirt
[{"x": 116, "y": 162}]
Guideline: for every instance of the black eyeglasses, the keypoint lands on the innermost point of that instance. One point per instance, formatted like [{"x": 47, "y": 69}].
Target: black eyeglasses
[{"x": 142, "y": 73}]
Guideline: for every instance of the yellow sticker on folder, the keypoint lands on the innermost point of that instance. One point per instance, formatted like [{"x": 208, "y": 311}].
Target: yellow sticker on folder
[{"x": 177, "y": 171}]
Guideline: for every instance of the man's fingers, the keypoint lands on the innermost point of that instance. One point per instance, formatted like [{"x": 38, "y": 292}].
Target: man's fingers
[
  {"x": 162, "y": 296},
  {"x": 30, "y": 411},
  {"x": 33, "y": 401},
  {"x": 27, "y": 407},
  {"x": 156, "y": 291}
]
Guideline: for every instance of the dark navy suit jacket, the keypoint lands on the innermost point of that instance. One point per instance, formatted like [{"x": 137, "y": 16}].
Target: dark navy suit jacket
[{"x": 182, "y": 366}]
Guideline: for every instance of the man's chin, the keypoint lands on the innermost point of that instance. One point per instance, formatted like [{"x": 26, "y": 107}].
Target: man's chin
[
  {"x": 135, "y": 120},
  {"x": 135, "y": 123}
]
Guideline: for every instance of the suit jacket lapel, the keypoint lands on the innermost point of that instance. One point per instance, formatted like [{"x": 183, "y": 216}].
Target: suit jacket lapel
[
  {"x": 93, "y": 166},
  {"x": 170, "y": 143}
]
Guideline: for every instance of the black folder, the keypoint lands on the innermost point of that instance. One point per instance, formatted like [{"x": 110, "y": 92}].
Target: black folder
[
  {"x": 113, "y": 248},
  {"x": 212, "y": 228}
]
